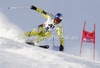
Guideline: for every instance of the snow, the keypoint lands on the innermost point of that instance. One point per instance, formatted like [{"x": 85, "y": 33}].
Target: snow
[
  {"x": 14, "y": 54},
  {"x": 7, "y": 29}
]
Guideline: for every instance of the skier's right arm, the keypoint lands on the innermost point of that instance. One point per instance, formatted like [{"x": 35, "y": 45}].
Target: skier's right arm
[{"x": 44, "y": 13}]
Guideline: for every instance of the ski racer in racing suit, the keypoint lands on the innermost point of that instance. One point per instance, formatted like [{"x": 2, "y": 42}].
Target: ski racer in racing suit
[{"x": 45, "y": 30}]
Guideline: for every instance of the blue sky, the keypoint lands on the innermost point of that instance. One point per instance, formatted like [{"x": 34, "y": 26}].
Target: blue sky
[{"x": 75, "y": 12}]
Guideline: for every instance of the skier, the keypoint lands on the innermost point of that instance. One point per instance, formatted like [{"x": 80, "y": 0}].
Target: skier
[{"x": 45, "y": 30}]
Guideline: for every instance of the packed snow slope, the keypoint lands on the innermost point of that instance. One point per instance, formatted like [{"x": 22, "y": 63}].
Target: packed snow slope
[{"x": 19, "y": 55}]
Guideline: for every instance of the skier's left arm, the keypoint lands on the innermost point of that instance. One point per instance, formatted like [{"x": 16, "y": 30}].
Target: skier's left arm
[{"x": 61, "y": 38}]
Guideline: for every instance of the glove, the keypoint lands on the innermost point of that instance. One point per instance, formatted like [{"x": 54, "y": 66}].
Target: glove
[
  {"x": 61, "y": 48},
  {"x": 33, "y": 7}
]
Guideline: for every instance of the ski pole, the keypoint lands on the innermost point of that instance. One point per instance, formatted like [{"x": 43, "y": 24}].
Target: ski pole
[
  {"x": 18, "y": 7},
  {"x": 53, "y": 43}
]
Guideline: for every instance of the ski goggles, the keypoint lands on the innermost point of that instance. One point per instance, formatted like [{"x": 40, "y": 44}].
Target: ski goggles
[{"x": 58, "y": 20}]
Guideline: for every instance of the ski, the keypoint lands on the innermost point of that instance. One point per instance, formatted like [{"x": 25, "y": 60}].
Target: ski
[
  {"x": 44, "y": 46},
  {"x": 41, "y": 46}
]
